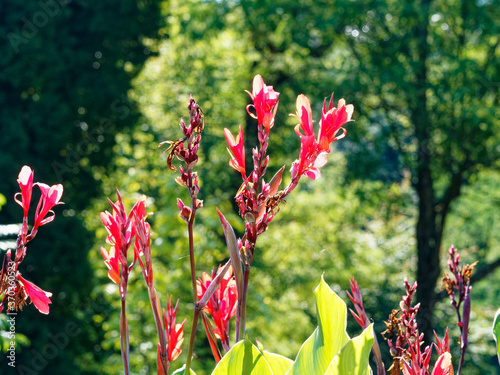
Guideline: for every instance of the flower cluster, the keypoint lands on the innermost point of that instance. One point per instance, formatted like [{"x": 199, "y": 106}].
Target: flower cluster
[
  {"x": 174, "y": 338},
  {"x": 124, "y": 230},
  {"x": 407, "y": 350},
  {"x": 222, "y": 304},
  {"x": 313, "y": 150},
  {"x": 256, "y": 207},
  {"x": 17, "y": 289},
  {"x": 121, "y": 232}
]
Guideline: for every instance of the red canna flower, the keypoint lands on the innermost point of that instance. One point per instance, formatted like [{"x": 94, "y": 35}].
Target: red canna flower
[
  {"x": 25, "y": 181},
  {"x": 265, "y": 102},
  {"x": 113, "y": 263},
  {"x": 237, "y": 151},
  {"x": 222, "y": 305},
  {"x": 443, "y": 365},
  {"x": 304, "y": 115},
  {"x": 121, "y": 232},
  {"x": 51, "y": 196},
  {"x": 175, "y": 333},
  {"x": 39, "y": 297},
  {"x": 331, "y": 122},
  {"x": 313, "y": 150}
]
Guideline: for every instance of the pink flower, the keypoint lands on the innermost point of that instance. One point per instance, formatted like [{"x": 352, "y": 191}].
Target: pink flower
[
  {"x": 237, "y": 151},
  {"x": 222, "y": 305},
  {"x": 443, "y": 365},
  {"x": 39, "y": 297},
  {"x": 313, "y": 150},
  {"x": 121, "y": 231},
  {"x": 51, "y": 196},
  {"x": 304, "y": 115},
  {"x": 331, "y": 122},
  {"x": 309, "y": 160},
  {"x": 113, "y": 263},
  {"x": 265, "y": 102},
  {"x": 25, "y": 181}
]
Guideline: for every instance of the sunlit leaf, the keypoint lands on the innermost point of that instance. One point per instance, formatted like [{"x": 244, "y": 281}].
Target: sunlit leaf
[
  {"x": 321, "y": 347},
  {"x": 354, "y": 356},
  {"x": 245, "y": 359},
  {"x": 279, "y": 364}
]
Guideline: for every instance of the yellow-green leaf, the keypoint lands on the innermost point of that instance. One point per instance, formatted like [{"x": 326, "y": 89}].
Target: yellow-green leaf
[
  {"x": 323, "y": 345},
  {"x": 243, "y": 359},
  {"x": 279, "y": 364},
  {"x": 354, "y": 356}
]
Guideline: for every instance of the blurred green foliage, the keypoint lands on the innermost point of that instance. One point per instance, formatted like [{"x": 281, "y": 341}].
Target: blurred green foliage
[{"x": 89, "y": 97}]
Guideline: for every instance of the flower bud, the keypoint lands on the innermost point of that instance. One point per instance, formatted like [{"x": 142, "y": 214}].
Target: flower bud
[{"x": 185, "y": 211}]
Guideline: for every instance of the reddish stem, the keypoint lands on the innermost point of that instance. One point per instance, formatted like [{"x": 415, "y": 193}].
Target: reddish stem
[{"x": 124, "y": 339}]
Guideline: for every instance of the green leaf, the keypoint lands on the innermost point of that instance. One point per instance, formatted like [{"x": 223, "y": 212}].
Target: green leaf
[
  {"x": 496, "y": 332},
  {"x": 182, "y": 370},
  {"x": 245, "y": 359},
  {"x": 321, "y": 347},
  {"x": 279, "y": 364},
  {"x": 354, "y": 356}
]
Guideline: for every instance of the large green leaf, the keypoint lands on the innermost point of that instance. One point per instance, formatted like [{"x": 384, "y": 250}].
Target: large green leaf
[
  {"x": 321, "y": 347},
  {"x": 496, "y": 332},
  {"x": 245, "y": 359},
  {"x": 279, "y": 364},
  {"x": 354, "y": 356}
]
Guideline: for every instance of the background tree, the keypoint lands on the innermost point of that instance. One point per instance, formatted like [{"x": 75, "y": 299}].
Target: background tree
[
  {"x": 432, "y": 69},
  {"x": 65, "y": 70}
]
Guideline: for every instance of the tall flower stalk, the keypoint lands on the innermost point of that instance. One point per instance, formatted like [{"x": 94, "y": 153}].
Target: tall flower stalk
[
  {"x": 120, "y": 227},
  {"x": 224, "y": 295},
  {"x": 186, "y": 150},
  {"x": 132, "y": 229},
  {"x": 459, "y": 289},
  {"x": 259, "y": 201}
]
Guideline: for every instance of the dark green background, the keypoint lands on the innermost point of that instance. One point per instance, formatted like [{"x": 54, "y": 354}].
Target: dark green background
[{"x": 89, "y": 89}]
